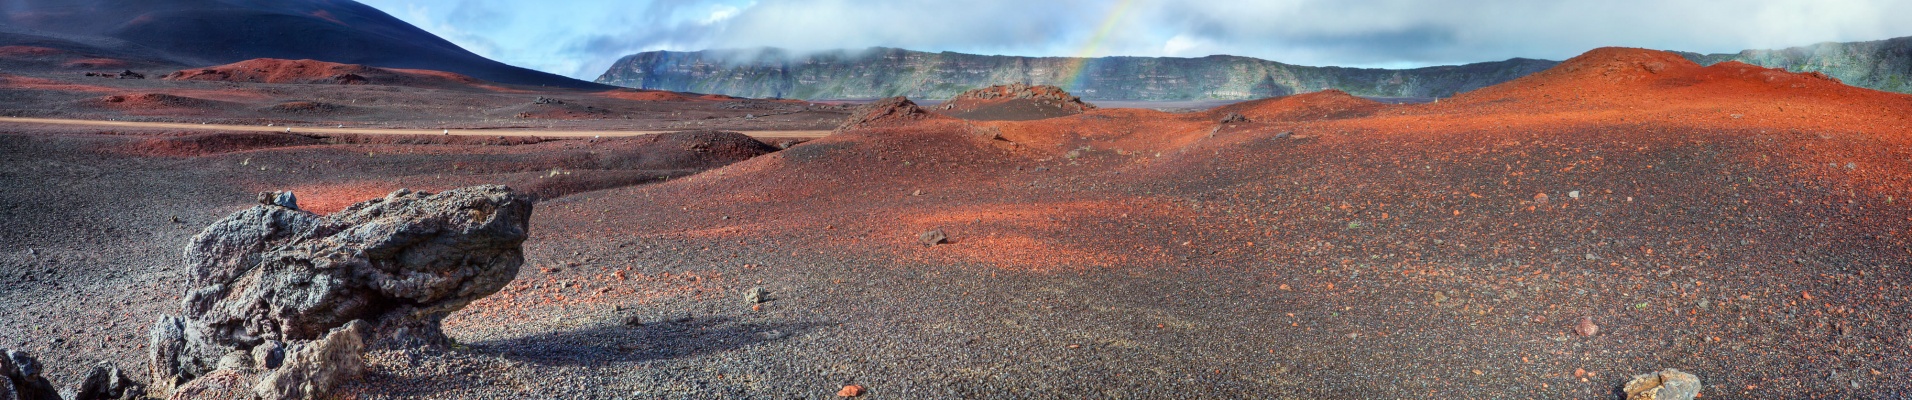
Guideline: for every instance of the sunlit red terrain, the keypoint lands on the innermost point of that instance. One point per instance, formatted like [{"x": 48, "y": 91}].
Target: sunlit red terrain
[{"x": 1743, "y": 224}]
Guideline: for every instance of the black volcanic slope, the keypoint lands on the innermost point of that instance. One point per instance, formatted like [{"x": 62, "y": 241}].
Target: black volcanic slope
[{"x": 208, "y": 32}]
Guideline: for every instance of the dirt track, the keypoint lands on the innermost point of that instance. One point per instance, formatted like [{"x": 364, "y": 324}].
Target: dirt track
[{"x": 375, "y": 131}]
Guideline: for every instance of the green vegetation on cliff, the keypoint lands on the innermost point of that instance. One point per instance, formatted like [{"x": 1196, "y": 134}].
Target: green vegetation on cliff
[
  {"x": 1879, "y": 64},
  {"x": 884, "y": 72}
]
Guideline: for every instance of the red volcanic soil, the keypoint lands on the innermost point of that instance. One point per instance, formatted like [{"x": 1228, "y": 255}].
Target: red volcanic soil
[
  {"x": 155, "y": 104},
  {"x": 1745, "y": 225},
  {"x": 1328, "y": 247},
  {"x": 266, "y": 70},
  {"x": 644, "y": 95},
  {"x": 1014, "y": 102}
]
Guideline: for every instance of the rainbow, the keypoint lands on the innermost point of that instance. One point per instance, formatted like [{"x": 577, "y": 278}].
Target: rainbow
[{"x": 1073, "y": 72}]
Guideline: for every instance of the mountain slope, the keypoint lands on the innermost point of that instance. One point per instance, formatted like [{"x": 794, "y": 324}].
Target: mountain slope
[
  {"x": 209, "y": 32},
  {"x": 1879, "y": 64},
  {"x": 883, "y": 72}
]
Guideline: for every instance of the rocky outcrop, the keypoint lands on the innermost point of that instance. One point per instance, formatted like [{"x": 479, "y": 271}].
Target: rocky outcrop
[
  {"x": 886, "y": 112},
  {"x": 287, "y": 299},
  {"x": 886, "y": 72}
]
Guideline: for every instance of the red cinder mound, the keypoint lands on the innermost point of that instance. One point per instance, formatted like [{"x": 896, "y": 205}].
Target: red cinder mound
[
  {"x": 1327, "y": 104},
  {"x": 153, "y": 102},
  {"x": 268, "y": 70},
  {"x": 1655, "y": 87},
  {"x": 1014, "y": 102},
  {"x": 888, "y": 112}
]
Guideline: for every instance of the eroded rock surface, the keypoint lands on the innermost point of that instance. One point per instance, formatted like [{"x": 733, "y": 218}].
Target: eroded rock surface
[
  {"x": 289, "y": 299},
  {"x": 886, "y": 112},
  {"x": 1668, "y": 384},
  {"x": 20, "y": 378}
]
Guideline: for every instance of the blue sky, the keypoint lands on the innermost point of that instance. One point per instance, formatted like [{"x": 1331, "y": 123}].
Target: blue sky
[{"x": 581, "y": 38}]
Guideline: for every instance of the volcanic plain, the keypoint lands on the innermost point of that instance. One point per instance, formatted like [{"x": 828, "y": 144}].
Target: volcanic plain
[{"x": 1744, "y": 224}]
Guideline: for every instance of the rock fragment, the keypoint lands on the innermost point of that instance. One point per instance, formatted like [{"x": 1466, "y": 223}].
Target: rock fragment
[
  {"x": 1586, "y": 327},
  {"x": 1667, "y": 384},
  {"x": 756, "y": 295},
  {"x": 108, "y": 382},
  {"x": 1234, "y": 118},
  {"x": 932, "y": 238},
  {"x": 22, "y": 373},
  {"x": 850, "y": 391},
  {"x": 311, "y": 369}
]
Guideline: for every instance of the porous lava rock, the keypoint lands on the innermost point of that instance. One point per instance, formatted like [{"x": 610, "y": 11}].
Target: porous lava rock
[
  {"x": 20, "y": 378},
  {"x": 108, "y": 382},
  {"x": 1668, "y": 384},
  {"x": 274, "y": 282}
]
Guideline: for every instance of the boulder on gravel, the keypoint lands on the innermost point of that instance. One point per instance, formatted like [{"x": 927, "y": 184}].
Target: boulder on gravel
[
  {"x": 20, "y": 378},
  {"x": 932, "y": 238},
  {"x": 288, "y": 280},
  {"x": 1668, "y": 384},
  {"x": 108, "y": 382}
]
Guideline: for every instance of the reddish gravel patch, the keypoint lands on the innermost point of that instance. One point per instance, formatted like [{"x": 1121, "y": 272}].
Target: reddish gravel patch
[{"x": 647, "y": 95}]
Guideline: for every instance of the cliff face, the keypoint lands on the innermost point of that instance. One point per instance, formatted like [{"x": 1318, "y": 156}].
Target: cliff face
[
  {"x": 884, "y": 72},
  {"x": 1880, "y": 64}
]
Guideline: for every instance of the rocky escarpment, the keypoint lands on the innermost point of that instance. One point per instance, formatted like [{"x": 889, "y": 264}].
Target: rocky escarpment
[
  {"x": 1880, "y": 64},
  {"x": 886, "y": 72},
  {"x": 283, "y": 301}
]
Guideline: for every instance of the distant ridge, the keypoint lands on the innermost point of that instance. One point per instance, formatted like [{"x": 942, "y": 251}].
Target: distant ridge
[
  {"x": 199, "y": 33},
  {"x": 884, "y": 72}
]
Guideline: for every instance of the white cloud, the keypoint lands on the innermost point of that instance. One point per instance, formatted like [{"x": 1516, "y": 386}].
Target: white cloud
[
  {"x": 720, "y": 13},
  {"x": 1180, "y": 46}
]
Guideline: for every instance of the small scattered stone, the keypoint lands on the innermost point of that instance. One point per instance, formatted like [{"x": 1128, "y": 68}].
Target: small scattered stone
[
  {"x": 269, "y": 355},
  {"x": 932, "y": 238},
  {"x": 1668, "y": 384},
  {"x": 850, "y": 391},
  {"x": 1540, "y": 198},
  {"x": 756, "y": 295},
  {"x": 1586, "y": 327},
  {"x": 1574, "y": 194}
]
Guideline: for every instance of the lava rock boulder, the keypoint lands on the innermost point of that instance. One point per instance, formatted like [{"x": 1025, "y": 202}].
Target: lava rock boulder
[{"x": 274, "y": 284}]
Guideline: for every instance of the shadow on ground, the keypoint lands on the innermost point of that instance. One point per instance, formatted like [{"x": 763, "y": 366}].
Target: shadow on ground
[{"x": 658, "y": 340}]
